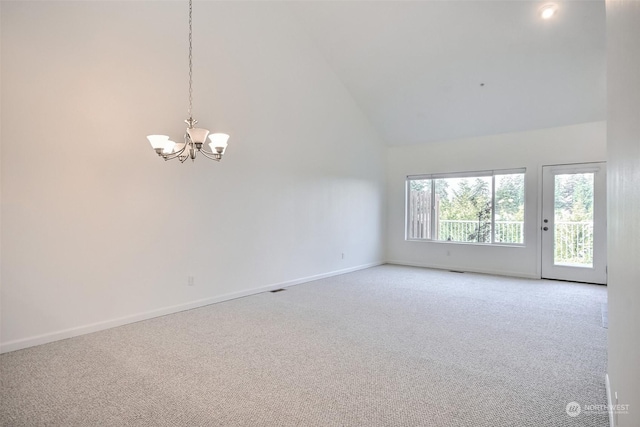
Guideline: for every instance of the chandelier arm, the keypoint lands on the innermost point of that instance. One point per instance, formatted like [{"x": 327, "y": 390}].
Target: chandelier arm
[
  {"x": 188, "y": 146},
  {"x": 176, "y": 154},
  {"x": 203, "y": 150},
  {"x": 171, "y": 156},
  {"x": 210, "y": 155}
]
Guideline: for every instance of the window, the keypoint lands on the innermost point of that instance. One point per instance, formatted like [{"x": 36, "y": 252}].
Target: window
[{"x": 473, "y": 207}]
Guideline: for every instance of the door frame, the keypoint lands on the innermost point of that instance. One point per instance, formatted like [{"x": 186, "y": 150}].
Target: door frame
[{"x": 598, "y": 273}]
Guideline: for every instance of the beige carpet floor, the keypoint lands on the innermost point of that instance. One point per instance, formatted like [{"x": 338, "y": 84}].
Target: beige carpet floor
[{"x": 386, "y": 346}]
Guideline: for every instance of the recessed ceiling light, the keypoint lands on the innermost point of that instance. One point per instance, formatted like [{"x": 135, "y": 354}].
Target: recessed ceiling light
[{"x": 548, "y": 10}]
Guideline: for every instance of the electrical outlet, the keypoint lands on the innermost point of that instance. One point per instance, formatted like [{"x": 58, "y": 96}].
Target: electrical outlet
[
  {"x": 342, "y": 255},
  {"x": 191, "y": 281}
]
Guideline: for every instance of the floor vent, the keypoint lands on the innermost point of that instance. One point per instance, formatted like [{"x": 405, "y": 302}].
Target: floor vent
[{"x": 276, "y": 290}]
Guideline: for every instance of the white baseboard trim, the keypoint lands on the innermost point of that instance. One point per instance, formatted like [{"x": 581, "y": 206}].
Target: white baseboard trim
[
  {"x": 465, "y": 269},
  {"x": 112, "y": 323},
  {"x": 612, "y": 421}
]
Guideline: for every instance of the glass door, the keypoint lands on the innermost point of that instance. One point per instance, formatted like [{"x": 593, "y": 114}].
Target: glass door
[{"x": 574, "y": 223}]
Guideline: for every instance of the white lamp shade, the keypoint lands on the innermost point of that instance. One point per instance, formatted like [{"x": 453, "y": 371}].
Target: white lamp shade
[
  {"x": 178, "y": 147},
  {"x": 158, "y": 141},
  {"x": 218, "y": 140},
  {"x": 168, "y": 147},
  {"x": 198, "y": 134}
]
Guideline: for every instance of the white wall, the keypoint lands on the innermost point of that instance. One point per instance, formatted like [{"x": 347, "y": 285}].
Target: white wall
[
  {"x": 98, "y": 231},
  {"x": 623, "y": 139},
  {"x": 533, "y": 149}
]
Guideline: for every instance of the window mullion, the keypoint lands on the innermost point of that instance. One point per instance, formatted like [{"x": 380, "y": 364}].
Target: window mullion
[
  {"x": 407, "y": 215},
  {"x": 433, "y": 235},
  {"x": 493, "y": 208}
]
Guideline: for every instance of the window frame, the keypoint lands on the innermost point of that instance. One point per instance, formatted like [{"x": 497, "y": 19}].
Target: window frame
[{"x": 468, "y": 174}]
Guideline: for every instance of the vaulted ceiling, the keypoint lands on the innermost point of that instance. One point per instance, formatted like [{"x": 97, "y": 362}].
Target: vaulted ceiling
[{"x": 426, "y": 71}]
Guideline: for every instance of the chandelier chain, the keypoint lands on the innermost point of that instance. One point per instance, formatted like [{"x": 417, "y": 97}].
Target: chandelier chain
[{"x": 190, "y": 61}]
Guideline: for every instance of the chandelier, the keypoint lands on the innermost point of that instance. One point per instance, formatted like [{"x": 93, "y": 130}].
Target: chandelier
[{"x": 194, "y": 138}]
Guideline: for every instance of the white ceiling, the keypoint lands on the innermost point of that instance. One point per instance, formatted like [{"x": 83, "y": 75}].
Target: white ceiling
[{"x": 416, "y": 68}]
